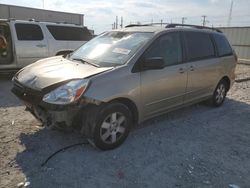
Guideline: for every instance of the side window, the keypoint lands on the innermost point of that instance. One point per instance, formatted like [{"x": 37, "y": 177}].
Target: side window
[
  {"x": 69, "y": 33},
  {"x": 168, "y": 47},
  {"x": 223, "y": 45},
  {"x": 28, "y": 32},
  {"x": 199, "y": 46}
]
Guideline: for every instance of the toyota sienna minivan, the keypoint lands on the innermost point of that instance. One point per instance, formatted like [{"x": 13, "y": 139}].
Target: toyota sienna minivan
[{"x": 126, "y": 76}]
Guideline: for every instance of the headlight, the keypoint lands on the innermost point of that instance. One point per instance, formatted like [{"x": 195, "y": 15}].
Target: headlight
[{"x": 67, "y": 93}]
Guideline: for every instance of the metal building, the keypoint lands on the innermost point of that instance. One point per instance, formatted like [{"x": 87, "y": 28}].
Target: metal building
[
  {"x": 25, "y": 13},
  {"x": 239, "y": 37}
]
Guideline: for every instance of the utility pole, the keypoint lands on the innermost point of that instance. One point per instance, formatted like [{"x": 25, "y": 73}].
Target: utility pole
[
  {"x": 204, "y": 20},
  {"x": 183, "y": 20},
  {"x": 161, "y": 22},
  {"x": 43, "y": 4},
  {"x": 230, "y": 14},
  {"x": 121, "y": 22},
  {"x": 116, "y": 22}
]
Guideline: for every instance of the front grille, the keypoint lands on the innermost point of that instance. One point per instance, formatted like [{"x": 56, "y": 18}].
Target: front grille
[
  {"x": 27, "y": 94},
  {"x": 19, "y": 87}
]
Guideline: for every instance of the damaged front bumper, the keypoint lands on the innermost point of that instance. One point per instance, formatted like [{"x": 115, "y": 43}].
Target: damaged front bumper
[
  {"x": 52, "y": 115},
  {"x": 52, "y": 119}
]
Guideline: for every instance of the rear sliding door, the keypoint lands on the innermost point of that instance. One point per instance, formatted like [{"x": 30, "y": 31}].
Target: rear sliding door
[{"x": 202, "y": 65}]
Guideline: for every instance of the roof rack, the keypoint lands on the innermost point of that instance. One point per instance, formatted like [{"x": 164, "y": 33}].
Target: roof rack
[
  {"x": 193, "y": 26},
  {"x": 136, "y": 25},
  {"x": 173, "y": 25},
  {"x": 150, "y": 24}
]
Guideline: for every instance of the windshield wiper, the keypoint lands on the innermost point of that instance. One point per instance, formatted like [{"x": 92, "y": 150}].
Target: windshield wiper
[{"x": 87, "y": 62}]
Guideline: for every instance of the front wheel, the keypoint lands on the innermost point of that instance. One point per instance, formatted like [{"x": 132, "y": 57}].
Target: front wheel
[
  {"x": 219, "y": 94},
  {"x": 112, "y": 126}
]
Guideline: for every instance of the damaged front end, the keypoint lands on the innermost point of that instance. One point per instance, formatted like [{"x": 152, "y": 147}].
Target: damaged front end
[
  {"x": 53, "y": 89},
  {"x": 53, "y": 119},
  {"x": 54, "y": 107}
]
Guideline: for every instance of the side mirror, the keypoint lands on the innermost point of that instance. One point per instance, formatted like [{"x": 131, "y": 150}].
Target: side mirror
[{"x": 153, "y": 63}]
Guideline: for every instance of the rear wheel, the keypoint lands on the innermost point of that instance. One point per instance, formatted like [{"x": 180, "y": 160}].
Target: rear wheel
[
  {"x": 220, "y": 93},
  {"x": 112, "y": 126}
]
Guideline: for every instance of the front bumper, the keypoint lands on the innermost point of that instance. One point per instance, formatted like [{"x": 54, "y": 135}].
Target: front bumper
[
  {"x": 50, "y": 115},
  {"x": 54, "y": 119}
]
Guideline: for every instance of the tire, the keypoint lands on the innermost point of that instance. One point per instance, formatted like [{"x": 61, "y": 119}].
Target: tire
[
  {"x": 220, "y": 93},
  {"x": 111, "y": 127}
]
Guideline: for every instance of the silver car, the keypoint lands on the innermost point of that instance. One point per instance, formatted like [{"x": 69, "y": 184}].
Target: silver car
[{"x": 126, "y": 76}]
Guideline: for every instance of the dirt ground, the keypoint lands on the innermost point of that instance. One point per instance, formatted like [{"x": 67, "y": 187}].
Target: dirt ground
[{"x": 198, "y": 146}]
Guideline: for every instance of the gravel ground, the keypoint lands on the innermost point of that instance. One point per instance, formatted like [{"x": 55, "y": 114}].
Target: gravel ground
[
  {"x": 198, "y": 146},
  {"x": 243, "y": 72}
]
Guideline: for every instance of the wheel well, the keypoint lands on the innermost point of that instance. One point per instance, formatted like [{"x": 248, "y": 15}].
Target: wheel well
[
  {"x": 64, "y": 52},
  {"x": 131, "y": 105},
  {"x": 227, "y": 80}
]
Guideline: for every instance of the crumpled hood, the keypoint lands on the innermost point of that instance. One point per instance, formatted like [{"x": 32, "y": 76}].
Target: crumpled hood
[{"x": 49, "y": 71}]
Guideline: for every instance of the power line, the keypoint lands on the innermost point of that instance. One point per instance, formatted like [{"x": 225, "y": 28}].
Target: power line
[{"x": 220, "y": 20}]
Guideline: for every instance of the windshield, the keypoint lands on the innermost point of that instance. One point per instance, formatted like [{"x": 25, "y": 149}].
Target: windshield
[{"x": 112, "y": 48}]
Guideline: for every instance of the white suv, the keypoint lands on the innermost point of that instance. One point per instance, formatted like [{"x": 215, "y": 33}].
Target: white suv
[{"x": 28, "y": 41}]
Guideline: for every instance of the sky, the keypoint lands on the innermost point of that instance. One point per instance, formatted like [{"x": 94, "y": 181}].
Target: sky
[{"x": 100, "y": 14}]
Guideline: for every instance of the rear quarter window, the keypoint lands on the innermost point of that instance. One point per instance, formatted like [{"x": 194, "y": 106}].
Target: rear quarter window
[
  {"x": 199, "y": 45},
  {"x": 69, "y": 33},
  {"x": 28, "y": 31},
  {"x": 223, "y": 46}
]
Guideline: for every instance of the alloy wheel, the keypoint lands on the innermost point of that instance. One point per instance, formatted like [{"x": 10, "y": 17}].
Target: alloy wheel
[
  {"x": 113, "y": 127},
  {"x": 220, "y": 93}
]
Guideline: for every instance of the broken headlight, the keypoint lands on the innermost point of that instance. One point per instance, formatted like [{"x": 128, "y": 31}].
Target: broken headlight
[{"x": 67, "y": 93}]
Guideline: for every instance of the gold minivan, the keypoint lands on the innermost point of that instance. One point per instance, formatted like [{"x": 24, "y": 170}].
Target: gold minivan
[{"x": 126, "y": 76}]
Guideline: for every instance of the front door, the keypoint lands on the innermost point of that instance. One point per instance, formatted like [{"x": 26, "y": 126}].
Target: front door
[{"x": 165, "y": 88}]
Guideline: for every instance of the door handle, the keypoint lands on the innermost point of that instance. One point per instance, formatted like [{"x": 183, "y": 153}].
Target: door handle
[
  {"x": 181, "y": 70},
  {"x": 191, "y": 68},
  {"x": 40, "y": 45}
]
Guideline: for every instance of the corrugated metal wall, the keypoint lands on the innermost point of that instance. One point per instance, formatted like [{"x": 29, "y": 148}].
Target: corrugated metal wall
[
  {"x": 239, "y": 37},
  {"x": 24, "y": 13}
]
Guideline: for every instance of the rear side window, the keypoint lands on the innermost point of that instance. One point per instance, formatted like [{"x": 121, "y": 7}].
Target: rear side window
[
  {"x": 223, "y": 45},
  {"x": 28, "y": 32},
  {"x": 199, "y": 45},
  {"x": 168, "y": 47},
  {"x": 69, "y": 33}
]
